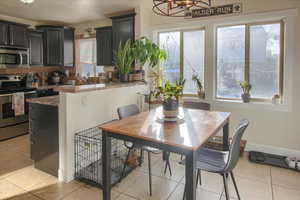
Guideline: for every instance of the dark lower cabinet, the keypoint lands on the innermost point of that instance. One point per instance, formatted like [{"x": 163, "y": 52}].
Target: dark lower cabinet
[
  {"x": 43, "y": 127},
  {"x": 36, "y": 47},
  {"x": 104, "y": 46},
  {"x": 3, "y": 33},
  {"x": 122, "y": 30}
]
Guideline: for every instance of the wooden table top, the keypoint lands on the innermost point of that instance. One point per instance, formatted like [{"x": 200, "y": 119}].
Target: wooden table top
[{"x": 193, "y": 132}]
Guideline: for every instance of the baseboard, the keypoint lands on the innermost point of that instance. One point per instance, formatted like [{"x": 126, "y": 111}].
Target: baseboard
[{"x": 273, "y": 150}]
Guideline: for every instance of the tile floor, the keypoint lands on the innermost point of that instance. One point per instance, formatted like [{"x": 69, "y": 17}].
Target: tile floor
[{"x": 20, "y": 181}]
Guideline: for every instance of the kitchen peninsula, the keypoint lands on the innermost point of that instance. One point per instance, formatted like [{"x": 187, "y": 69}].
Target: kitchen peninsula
[{"x": 77, "y": 108}]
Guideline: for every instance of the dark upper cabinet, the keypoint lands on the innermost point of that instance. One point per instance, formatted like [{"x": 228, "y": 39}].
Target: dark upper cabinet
[
  {"x": 36, "y": 47},
  {"x": 69, "y": 47},
  {"x": 53, "y": 45},
  {"x": 104, "y": 46},
  {"x": 13, "y": 35},
  {"x": 122, "y": 29},
  {"x": 3, "y": 33},
  {"x": 18, "y": 35}
]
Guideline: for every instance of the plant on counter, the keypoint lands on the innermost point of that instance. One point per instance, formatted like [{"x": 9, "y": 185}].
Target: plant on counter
[
  {"x": 124, "y": 60},
  {"x": 144, "y": 50},
  {"x": 169, "y": 94},
  {"x": 199, "y": 85},
  {"x": 246, "y": 87}
]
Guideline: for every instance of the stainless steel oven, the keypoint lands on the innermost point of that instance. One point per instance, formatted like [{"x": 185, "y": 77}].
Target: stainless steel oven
[{"x": 14, "y": 58}]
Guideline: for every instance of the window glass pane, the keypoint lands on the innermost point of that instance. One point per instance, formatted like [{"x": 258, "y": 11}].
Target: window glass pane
[
  {"x": 86, "y": 70},
  {"x": 193, "y": 51},
  {"x": 264, "y": 60},
  {"x": 170, "y": 42},
  {"x": 88, "y": 57},
  {"x": 230, "y": 60}
]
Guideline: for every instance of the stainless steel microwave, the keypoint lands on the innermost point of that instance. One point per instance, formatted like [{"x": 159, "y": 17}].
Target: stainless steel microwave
[{"x": 14, "y": 58}]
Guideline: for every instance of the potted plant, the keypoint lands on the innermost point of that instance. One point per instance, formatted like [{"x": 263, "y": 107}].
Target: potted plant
[
  {"x": 169, "y": 94},
  {"x": 199, "y": 85},
  {"x": 124, "y": 60},
  {"x": 246, "y": 87}
]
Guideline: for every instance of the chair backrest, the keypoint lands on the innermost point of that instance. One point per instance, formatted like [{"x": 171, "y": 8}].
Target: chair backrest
[
  {"x": 196, "y": 105},
  {"x": 234, "y": 150},
  {"x": 127, "y": 111}
]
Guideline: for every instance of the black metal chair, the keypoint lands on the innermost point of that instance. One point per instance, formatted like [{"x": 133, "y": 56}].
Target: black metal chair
[
  {"x": 127, "y": 111},
  {"x": 223, "y": 162}
]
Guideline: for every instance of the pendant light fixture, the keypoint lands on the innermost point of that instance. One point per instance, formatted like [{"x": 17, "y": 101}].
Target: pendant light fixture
[{"x": 178, "y": 8}]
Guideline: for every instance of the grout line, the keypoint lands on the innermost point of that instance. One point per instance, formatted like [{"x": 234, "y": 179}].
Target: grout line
[{"x": 272, "y": 189}]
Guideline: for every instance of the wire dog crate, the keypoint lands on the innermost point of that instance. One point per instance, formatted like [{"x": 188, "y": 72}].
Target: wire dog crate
[{"x": 88, "y": 157}]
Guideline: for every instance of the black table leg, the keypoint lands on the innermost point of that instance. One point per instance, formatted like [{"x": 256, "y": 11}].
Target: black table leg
[
  {"x": 226, "y": 137},
  {"x": 106, "y": 172},
  {"x": 190, "y": 176}
]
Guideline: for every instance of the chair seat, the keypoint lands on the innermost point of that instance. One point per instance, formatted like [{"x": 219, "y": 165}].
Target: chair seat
[{"x": 212, "y": 160}]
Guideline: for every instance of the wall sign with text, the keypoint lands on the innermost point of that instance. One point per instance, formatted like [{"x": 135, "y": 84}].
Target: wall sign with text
[{"x": 213, "y": 11}]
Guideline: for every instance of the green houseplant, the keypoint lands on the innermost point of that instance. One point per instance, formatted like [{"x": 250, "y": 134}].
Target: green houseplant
[
  {"x": 169, "y": 94},
  {"x": 124, "y": 60},
  {"x": 199, "y": 85},
  {"x": 246, "y": 87}
]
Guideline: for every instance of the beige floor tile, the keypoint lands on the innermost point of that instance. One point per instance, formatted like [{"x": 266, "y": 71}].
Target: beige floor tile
[
  {"x": 281, "y": 193},
  {"x": 139, "y": 188},
  {"x": 125, "y": 197},
  {"x": 201, "y": 194},
  {"x": 57, "y": 191},
  {"x": 9, "y": 190},
  {"x": 27, "y": 178},
  {"x": 26, "y": 196},
  {"x": 253, "y": 171},
  {"x": 129, "y": 180},
  {"x": 210, "y": 182},
  {"x": 89, "y": 193},
  {"x": 250, "y": 189},
  {"x": 285, "y": 178}
]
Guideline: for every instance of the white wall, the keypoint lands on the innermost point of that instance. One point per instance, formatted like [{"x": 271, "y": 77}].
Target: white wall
[
  {"x": 273, "y": 129},
  {"x": 80, "y": 111}
]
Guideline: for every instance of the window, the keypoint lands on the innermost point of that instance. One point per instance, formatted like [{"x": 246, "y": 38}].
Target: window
[
  {"x": 88, "y": 58},
  {"x": 251, "y": 52},
  {"x": 185, "y": 50}
]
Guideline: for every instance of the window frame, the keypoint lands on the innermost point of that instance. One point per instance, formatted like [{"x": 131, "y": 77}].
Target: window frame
[
  {"x": 247, "y": 57},
  {"x": 181, "y": 65}
]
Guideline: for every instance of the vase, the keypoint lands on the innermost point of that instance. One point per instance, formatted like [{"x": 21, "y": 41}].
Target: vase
[
  {"x": 170, "y": 108},
  {"x": 201, "y": 95},
  {"x": 124, "y": 78},
  {"x": 246, "y": 97}
]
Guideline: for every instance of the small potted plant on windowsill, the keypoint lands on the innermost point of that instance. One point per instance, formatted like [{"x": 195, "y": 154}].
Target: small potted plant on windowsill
[
  {"x": 199, "y": 85},
  {"x": 169, "y": 94},
  {"x": 246, "y": 87},
  {"x": 124, "y": 60}
]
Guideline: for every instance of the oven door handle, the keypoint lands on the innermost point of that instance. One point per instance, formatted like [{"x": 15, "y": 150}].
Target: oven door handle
[{"x": 5, "y": 95}]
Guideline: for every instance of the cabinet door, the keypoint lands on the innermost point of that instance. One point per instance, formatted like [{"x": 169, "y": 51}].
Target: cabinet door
[
  {"x": 36, "y": 48},
  {"x": 3, "y": 33},
  {"x": 54, "y": 47},
  {"x": 69, "y": 48},
  {"x": 18, "y": 35},
  {"x": 123, "y": 29},
  {"x": 104, "y": 46}
]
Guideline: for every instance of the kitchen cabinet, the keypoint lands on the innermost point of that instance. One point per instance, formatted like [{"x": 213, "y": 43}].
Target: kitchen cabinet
[
  {"x": 3, "y": 33},
  {"x": 104, "y": 46},
  {"x": 13, "y": 35},
  {"x": 122, "y": 29},
  {"x": 36, "y": 47},
  {"x": 18, "y": 35},
  {"x": 69, "y": 47},
  {"x": 43, "y": 123},
  {"x": 58, "y": 45}
]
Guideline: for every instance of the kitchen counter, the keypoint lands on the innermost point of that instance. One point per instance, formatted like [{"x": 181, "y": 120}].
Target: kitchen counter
[
  {"x": 86, "y": 88},
  {"x": 49, "y": 100}
]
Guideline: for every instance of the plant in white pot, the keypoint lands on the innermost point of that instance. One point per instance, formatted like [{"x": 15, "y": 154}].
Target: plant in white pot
[
  {"x": 246, "y": 87},
  {"x": 199, "y": 85},
  {"x": 169, "y": 94},
  {"x": 124, "y": 60}
]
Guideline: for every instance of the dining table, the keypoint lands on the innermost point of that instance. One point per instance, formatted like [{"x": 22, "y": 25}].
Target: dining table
[{"x": 185, "y": 136}]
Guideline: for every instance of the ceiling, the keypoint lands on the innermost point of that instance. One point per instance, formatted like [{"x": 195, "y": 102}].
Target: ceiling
[{"x": 65, "y": 11}]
